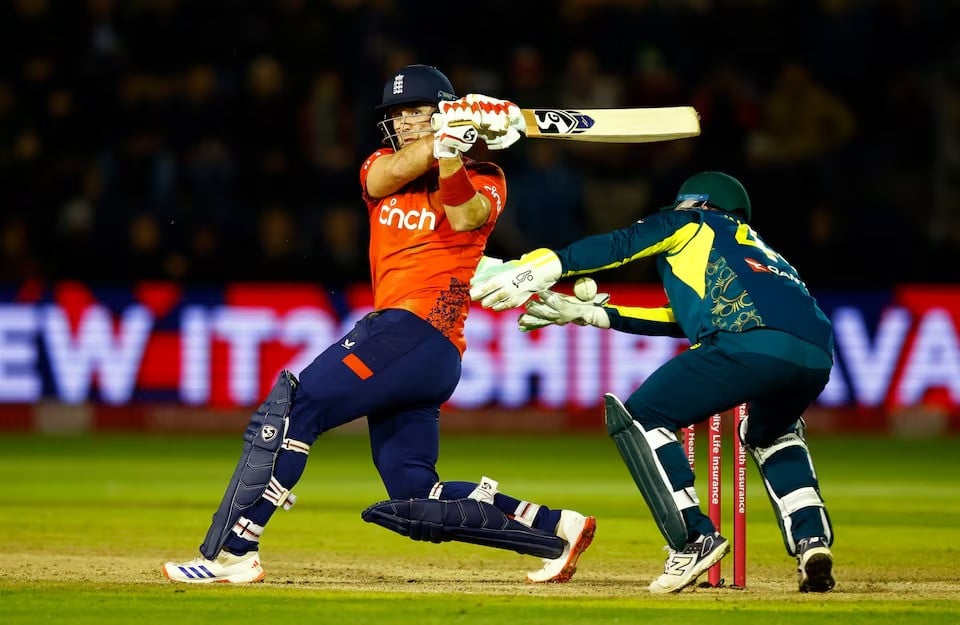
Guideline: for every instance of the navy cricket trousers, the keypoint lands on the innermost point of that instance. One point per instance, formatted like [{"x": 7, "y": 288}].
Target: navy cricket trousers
[{"x": 397, "y": 370}]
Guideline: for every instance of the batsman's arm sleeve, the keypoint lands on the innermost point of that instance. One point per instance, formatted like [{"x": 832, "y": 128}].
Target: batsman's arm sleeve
[{"x": 646, "y": 321}]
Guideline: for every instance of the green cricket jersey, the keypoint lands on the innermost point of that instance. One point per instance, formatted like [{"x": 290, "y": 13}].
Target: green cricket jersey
[{"x": 717, "y": 273}]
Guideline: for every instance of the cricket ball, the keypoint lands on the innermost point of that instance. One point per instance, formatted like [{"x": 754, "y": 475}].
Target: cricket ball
[{"x": 585, "y": 289}]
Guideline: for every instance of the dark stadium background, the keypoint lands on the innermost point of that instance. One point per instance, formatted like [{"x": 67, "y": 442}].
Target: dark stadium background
[{"x": 200, "y": 145}]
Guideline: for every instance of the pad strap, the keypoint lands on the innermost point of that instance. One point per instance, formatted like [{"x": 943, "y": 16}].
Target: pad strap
[
  {"x": 657, "y": 438},
  {"x": 298, "y": 446},
  {"x": 526, "y": 513},
  {"x": 279, "y": 496},
  {"x": 247, "y": 529},
  {"x": 799, "y": 499}
]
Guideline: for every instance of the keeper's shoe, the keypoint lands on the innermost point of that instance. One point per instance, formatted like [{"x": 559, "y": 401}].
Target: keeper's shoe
[
  {"x": 682, "y": 568},
  {"x": 814, "y": 565},
  {"x": 577, "y": 530},
  {"x": 226, "y": 569}
]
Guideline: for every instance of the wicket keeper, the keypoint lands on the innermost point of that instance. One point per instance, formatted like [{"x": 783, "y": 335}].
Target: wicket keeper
[{"x": 758, "y": 337}]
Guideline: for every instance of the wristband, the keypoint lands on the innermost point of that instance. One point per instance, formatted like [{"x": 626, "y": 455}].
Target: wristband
[{"x": 456, "y": 189}]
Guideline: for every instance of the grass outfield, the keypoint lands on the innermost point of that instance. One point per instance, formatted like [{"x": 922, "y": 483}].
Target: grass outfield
[{"x": 89, "y": 520}]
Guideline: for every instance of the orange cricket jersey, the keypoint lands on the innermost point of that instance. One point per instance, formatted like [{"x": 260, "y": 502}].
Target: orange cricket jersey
[{"x": 417, "y": 261}]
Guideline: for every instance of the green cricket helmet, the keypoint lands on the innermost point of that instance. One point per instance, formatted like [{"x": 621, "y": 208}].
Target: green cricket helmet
[{"x": 715, "y": 189}]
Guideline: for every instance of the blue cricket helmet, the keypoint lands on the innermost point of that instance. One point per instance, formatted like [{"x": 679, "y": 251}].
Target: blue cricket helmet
[
  {"x": 412, "y": 85},
  {"x": 416, "y": 84}
]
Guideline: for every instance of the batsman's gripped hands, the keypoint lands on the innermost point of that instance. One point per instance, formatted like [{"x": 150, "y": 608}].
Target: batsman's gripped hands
[
  {"x": 498, "y": 122},
  {"x": 510, "y": 284},
  {"x": 551, "y": 308}
]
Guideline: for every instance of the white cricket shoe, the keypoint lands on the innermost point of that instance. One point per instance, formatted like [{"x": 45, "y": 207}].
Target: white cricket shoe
[
  {"x": 578, "y": 531},
  {"x": 682, "y": 568},
  {"x": 226, "y": 569},
  {"x": 814, "y": 565}
]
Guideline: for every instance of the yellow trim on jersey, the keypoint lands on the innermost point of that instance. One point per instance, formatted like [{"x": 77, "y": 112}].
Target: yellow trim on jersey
[
  {"x": 689, "y": 264},
  {"x": 663, "y": 314},
  {"x": 673, "y": 243}
]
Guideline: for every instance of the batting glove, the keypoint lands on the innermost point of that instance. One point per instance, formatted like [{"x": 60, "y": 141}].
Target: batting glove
[
  {"x": 460, "y": 112},
  {"x": 512, "y": 283},
  {"x": 503, "y": 142},
  {"x": 500, "y": 120},
  {"x": 450, "y": 139},
  {"x": 496, "y": 116},
  {"x": 557, "y": 309}
]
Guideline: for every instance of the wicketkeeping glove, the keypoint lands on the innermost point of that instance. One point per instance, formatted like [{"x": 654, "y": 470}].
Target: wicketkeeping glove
[
  {"x": 512, "y": 283},
  {"x": 557, "y": 309},
  {"x": 487, "y": 266}
]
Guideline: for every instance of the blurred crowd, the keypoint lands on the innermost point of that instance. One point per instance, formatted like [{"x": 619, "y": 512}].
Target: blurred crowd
[{"x": 210, "y": 140}]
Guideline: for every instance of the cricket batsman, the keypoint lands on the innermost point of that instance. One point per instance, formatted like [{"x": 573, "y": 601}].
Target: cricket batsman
[{"x": 431, "y": 210}]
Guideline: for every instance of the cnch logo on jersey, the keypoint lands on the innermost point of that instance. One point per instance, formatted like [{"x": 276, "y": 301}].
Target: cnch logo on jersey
[{"x": 414, "y": 219}]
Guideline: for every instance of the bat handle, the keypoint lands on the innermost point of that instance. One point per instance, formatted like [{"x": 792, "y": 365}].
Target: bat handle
[
  {"x": 520, "y": 123},
  {"x": 436, "y": 120}
]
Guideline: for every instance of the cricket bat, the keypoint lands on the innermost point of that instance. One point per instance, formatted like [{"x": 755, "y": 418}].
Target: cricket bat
[{"x": 627, "y": 125}]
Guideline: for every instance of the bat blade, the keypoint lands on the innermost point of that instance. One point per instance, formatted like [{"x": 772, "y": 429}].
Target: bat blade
[{"x": 628, "y": 125}]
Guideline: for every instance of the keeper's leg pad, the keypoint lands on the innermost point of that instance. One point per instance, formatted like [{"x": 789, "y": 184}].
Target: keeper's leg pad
[
  {"x": 792, "y": 486},
  {"x": 463, "y": 520},
  {"x": 647, "y": 472},
  {"x": 253, "y": 476}
]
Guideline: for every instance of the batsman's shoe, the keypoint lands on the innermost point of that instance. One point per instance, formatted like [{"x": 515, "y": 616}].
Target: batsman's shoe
[
  {"x": 577, "y": 530},
  {"x": 814, "y": 565},
  {"x": 682, "y": 568},
  {"x": 226, "y": 568}
]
